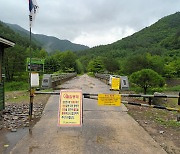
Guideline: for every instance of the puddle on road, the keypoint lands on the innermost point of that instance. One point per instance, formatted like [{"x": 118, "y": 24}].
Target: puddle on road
[{"x": 10, "y": 139}]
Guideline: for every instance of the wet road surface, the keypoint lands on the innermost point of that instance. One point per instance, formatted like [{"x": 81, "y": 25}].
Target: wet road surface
[{"x": 105, "y": 129}]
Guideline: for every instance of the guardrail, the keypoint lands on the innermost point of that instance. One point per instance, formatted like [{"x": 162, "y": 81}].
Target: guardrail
[
  {"x": 58, "y": 79},
  {"x": 103, "y": 77},
  {"x": 51, "y": 80}
]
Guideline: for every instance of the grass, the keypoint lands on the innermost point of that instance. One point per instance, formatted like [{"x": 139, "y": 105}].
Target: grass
[
  {"x": 16, "y": 86},
  {"x": 17, "y": 96},
  {"x": 90, "y": 74},
  {"x": 169, "y": 123},
  {"x": 47, "y": 90},
  {"x": 175, "y": 88}
]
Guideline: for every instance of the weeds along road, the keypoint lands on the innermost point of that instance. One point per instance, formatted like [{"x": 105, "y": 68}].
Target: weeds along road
[{"x": 105, "y": 129}]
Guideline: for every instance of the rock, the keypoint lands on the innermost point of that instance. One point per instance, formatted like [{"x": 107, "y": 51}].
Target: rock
[
  {"x": 15, "y": 118},
  {"x": 161, "y": 132},
  {"x": 13, "y": 130},
  {"x": 6, "y": 145},
  {"x": 146, "y": 122}
]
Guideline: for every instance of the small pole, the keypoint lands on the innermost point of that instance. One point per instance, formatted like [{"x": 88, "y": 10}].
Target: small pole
[{"x": 31, "y": 93}]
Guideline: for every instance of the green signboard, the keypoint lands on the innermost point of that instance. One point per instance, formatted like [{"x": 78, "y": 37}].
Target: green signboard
[{"x": 37, "y": 65}]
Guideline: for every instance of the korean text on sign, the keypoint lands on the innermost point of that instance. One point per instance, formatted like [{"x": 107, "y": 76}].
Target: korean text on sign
[
  {"x": 70, "y": 108},
  {"x": 109, "y": 99}
]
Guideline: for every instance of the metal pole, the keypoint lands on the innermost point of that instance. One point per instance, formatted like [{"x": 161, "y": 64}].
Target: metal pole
[{"x": 30, "y": 88}]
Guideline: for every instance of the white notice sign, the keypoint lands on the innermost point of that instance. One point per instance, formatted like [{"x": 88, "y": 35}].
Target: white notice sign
[{"x": 34, "y": 79}]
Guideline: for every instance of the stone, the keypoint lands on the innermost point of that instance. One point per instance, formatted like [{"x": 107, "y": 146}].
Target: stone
[
  {"x": 15, "y": 118},
  {"x": 161, "y": 132},
  {"x": 13, "y": 130}
]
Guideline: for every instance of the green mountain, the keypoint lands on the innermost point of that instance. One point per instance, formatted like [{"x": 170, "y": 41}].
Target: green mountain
[
  {"x": 21, "y": 40},
  {"x": 49, "y": 43},
  {"x": 157, "y": 39}
]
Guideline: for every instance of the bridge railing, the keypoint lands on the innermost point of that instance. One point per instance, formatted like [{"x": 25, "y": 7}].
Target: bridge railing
[
  {"x": 51, "y": 80},
  {"x": 103, "y": 77},
  {"x": 58, "y": 79}
]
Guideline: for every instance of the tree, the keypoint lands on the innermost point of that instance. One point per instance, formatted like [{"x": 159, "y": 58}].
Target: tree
[
  {"x": 135, "y": 63},
  {"x": 96, "y": 65},
  {"x": 61, "y": 61},
  {"x": 111, "y": 64},
  {"x": 14, "y": 61},
  {"x": 79, "y": 67},
  {"x": 68, "y": 61},
  {"x": 147, "y": 78},
  {"x": 51, "y": 64}
]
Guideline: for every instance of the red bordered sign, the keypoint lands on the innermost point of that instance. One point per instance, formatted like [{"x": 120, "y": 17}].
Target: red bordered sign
[{"x": 70, "y": 108}]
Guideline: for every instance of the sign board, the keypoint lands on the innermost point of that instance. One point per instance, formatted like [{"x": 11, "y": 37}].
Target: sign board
[
  {"x": 115, "y": 85},
  {"x": 109, "y": 99},
  {"x": 124, "y": 83},
  {"x": 37, "y": 65},
  {"x": 70, "y": 108},
  {"x": 47, "y": 81},
  {"x": 34, "y": 79}
]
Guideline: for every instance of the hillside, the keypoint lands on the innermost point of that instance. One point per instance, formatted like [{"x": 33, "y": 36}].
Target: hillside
[
  {"x": 49, "y": 43},
  {"x": 21, "y": 40},
  {"x": 157, "y": 39}
]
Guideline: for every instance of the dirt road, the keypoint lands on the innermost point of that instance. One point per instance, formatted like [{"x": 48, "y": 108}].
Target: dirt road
[{"x": 105, "y": 129}]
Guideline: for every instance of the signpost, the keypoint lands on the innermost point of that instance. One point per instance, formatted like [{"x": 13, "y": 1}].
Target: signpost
[
  {"x": 37, "y": 65},
  {"x": 33, "y": 65},
  {"x": 70, "y": 108},
  {"x": 109, "y": 99},
  {"x": 115, "y": 85}
]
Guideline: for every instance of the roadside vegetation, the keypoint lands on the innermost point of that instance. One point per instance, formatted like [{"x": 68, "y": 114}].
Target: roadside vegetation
[{"x": 155, "y": 48}]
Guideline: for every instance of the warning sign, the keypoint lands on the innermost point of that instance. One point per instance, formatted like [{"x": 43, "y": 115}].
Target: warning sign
[
  {"x": 70, "y": 108},
  {"x": 109, "y": 99},
  {"x": 115, "y": 83}
]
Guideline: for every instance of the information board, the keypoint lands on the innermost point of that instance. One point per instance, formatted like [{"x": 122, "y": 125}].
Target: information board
[
  {"x": 115, "y": 85},
  {"x": 70, "y": 108},
  {"x": 109, "y": 99},
  {"x": 37, "y": 65}
]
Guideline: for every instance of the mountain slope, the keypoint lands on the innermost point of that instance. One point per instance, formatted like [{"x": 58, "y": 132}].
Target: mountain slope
[
  {"x": 21, "y": 40},
  {"x": 157, "y": 39},
  {"x": 49, "y": 43}
]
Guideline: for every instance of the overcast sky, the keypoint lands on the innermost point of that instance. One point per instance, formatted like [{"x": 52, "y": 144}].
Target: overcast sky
[{"x": 88, "y": 22}]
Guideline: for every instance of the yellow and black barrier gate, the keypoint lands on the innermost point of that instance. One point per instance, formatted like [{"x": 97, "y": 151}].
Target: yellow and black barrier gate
[{"x": 95, "y": 96}]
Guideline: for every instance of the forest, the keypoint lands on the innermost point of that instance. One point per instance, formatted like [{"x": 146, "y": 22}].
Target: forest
[{"x": 156, "y": 48}]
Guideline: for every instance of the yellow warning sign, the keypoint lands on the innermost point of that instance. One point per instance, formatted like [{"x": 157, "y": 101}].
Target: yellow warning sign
[
  {"x": 109, "y": 99},
  {"x": 70, "y": 108},
  {"x": 115, "y": 84}
]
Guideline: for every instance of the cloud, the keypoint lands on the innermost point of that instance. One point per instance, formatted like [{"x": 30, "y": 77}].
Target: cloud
[
  {"x": 100, "y": 38},
  {"x": 89, "y": 22}
]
